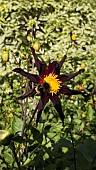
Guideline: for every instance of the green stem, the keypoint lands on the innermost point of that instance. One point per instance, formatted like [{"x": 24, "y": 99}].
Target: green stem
[
  {"x": 73, "y": 144},
  {"x": 74, "y": 151},
  {"x": 12, "y": 146},
  {"x": 26, "y": 102}
]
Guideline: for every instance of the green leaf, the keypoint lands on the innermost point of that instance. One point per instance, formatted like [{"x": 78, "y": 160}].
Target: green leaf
[
  {"x": 88, "y": 149},
  {"x": 37, "y": 135},
  {"x": 18, "y": 139},
  {"x": 90, "y": 112},
  {"x": 51, "y": 167},
  {"x": 8, "y": 157},
  {"x": 34, "y": 161},
  {"x": 2, "y": 37},
  {"x": 85, "y": 152},
  {"x": 17, "y": 124}
]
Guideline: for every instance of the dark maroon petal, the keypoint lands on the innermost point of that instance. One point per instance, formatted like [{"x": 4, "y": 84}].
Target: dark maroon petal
[
  {"x": 70, "y": 76},
  {"x": 65, "y": 90},
  {"x": 29, "y": 93},
  {"x": 34, "y": 112},
  {"x": 29, "y": 31},
  {"x": 38, "y": 15},
  {"x": 57, "y": 104},
  {"x": 41, "y": 65},
  {"x": 62, "y": 61},
  {"x": 41, "y": 105},
  {"x": 33, "y": 32},
  {"x": 31, "y": 77},
  {"x": 52, "y": 67},
  {"x": 57, "y": 65},
  {"x": 62, "y": 77}
]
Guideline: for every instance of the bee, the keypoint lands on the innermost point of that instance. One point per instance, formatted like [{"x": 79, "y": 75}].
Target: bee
[
  {"x": 40, "y": 88},
  {"x": 46, "y": 86}
]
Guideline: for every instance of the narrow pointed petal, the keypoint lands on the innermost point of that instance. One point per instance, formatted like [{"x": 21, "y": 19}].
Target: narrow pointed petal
[
  {"x": 41, "y": 65},
  {"x": 70, "y": 76},
  {"x": 31, "y": 77},
  {"x": 56, "y": 66},
  {"x": 38, "y": 15},
  {"x": 52, "y": 67},
  {"x": 66, "y": 91},
  {"x": 34, "y": 112},
  {"x": 57, "y": 104},
  {"x": 62, "y": 61},
  {"x": 41, "y": 105},
  {"x": 29, "y": 31},
  {"x": 63, "y": 77},
  {"x": 33, "y": 32},
  {"x": 29, "y": 93}
]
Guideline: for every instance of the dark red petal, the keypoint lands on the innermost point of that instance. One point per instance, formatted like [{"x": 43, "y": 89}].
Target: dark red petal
[
  {"x": 29, "y": 93},
  {"x": 57, "y": 104},
  {"x": 29, "y": 31},
  {"x": 56, "y": 66},
  {"x": 33, "y": 32},
  {"x": 65, "y": 90},
  {"x": 59, "y": 65},
  {"x": 39, "y": 112},
  {"x": 40, "y": 107},
  {"x": 70, "y": 76},
  {"x": 52, "y": 67},
  {"x": 62, "y": 61},
  {"x": 34, "y": 112},
  {"x": 41, "y": 65},
  {"x": 38, "y": 15},
  {"x": 62, "y": 77},
  {"x": 31, "y": 77}
]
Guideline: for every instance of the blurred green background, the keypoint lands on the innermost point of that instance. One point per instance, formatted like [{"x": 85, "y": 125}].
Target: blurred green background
[{"x": 49, "y": 145}]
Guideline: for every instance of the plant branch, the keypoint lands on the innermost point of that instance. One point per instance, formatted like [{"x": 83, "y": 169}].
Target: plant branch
[
  {"x": 12, "y": 146},
  {"x": 26, "y": 102},
  {"x": 74, "y": 151},
  {"x": 73, "y": 144}
]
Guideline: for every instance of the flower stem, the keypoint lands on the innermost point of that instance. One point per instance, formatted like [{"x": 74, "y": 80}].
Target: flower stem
[
  {"x": 74, "y": 151},
  {"x": 73, "y": 144},
  {"x": 12, "y": 146}
]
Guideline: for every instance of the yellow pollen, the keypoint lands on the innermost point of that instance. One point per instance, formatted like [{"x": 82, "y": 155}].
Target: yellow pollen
[{"x": 53, "y": 82}]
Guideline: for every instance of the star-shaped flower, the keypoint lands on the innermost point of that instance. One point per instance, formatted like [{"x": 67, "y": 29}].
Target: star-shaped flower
[
  {"x": 31, "y": 24},
  {"x": 49, "y": 83}
]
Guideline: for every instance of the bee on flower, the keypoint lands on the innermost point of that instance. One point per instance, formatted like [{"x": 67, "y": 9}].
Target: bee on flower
[{"x": 49, "y": 84}]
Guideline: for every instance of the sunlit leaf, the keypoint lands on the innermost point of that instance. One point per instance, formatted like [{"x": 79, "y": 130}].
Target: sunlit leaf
[{"x": 17, "y": 124}]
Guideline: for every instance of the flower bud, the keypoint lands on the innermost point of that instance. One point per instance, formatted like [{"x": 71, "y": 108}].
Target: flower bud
[
  {"x": 83, "y": 65},
  {"x": 5, "y": 56},
  {"x": 5, "y": 137},
  {"x": 36, "y": 45}
]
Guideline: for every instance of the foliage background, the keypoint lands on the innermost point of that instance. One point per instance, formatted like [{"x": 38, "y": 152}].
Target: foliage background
[{"x": 49, "y": 145}]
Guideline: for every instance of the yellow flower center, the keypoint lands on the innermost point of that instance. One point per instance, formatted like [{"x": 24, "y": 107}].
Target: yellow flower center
[{"x": 54, "y": 83}]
